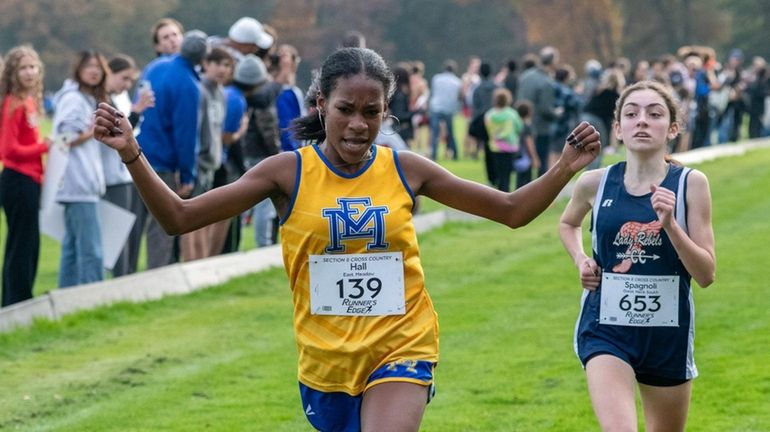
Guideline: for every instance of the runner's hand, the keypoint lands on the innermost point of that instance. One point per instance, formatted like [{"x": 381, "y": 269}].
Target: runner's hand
[
  {"x": 590, "y": 274},
  {"x": 112, "y": 127},
  {"x": 581, "y": 147},
  {"x": 663, "y": 202}
]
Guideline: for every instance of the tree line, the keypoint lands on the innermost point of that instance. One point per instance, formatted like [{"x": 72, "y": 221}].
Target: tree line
[{"x": 428, "y": 30}]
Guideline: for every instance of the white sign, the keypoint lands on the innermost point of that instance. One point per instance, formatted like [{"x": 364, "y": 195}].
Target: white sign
[
  {"x": 369, "y": 284},
  {"x": 56, "y": 165},
  {"x": 115, "y": 222},
  {"x": 639, "y": 301}
]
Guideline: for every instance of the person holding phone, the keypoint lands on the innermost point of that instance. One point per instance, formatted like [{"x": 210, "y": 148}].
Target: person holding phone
[{"x": 120, "y": 188}]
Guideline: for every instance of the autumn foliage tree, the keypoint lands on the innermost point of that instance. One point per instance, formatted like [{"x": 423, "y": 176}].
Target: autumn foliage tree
[
  {"x": 581, "y": 29},
  {"x": 59, "y": 29},
  {"x": 428, "y": 30}
]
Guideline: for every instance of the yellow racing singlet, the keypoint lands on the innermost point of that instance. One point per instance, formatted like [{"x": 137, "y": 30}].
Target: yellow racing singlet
[{"x": 336, "y": 215}]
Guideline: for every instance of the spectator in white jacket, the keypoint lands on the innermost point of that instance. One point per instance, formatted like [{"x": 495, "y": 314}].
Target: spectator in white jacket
[{"x": 83, "y": 182}]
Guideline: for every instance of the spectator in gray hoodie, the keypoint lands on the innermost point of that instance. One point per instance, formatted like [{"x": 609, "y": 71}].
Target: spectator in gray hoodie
[{"x": 83, "y": 182}]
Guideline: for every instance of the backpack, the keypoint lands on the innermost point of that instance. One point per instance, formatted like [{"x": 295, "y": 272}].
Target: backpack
[
  {"x": 477, "y": 129},
  {"x": 262, "y": 138}
]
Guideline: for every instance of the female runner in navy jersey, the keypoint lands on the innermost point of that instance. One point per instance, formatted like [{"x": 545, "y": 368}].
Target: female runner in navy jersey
[{"x": 651, "y": 232}]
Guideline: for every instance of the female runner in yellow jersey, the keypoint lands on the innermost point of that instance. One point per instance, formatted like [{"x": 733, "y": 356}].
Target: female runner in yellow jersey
[{"x": 366, "y": 330}]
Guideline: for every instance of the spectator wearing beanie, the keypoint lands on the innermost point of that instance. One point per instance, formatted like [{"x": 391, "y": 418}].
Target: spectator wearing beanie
[
  {"x": 250, "y": 73},
  {"x": 262, "y": 139},
  {"x": 170, "y": 132}
]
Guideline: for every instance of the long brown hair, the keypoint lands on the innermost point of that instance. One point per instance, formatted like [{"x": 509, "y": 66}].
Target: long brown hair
[
  {"x": 9, "y": 80},
  {"x": 99, "y": 91},
  {"x": 663, "y": 91}
]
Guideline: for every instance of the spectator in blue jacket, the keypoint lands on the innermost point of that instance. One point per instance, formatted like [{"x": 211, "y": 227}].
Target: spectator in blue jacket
[{"x": 169, "y": 136}]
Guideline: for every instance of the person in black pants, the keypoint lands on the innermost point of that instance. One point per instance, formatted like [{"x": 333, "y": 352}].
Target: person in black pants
[
  {"x": 21, "y": 90},
  {"x": 20, "y": 197}
]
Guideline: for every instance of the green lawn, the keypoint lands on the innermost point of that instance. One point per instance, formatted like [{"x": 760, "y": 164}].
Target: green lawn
[{"x": 224, "y": 359}]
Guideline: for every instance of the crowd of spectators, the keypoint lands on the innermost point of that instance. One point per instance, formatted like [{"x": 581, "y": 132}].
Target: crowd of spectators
[
  {"x": 204, "y": 110},
  {"x": 208, "y": 108},
  {"x": 719, "y": 102}
]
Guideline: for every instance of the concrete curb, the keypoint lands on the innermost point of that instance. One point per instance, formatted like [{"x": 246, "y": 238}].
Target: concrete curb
[
  {"x": 25, "y": 313},
  {"x": 705, "y": 154},
  {"x": 187, "y": 277}
]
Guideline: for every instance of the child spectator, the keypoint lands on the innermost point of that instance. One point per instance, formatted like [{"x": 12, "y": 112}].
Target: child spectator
[{"x": 503, "y": 128}]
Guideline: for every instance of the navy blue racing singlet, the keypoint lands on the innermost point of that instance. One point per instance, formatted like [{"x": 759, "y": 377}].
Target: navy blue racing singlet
[{"x": 643, "y": 310}]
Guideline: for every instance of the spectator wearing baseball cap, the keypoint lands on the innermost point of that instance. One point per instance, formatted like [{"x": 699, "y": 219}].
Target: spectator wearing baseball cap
[{"x": 248, "y": 35}]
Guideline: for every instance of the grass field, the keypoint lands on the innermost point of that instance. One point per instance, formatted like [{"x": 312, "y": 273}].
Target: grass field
[{"x": 224, "y": 359}]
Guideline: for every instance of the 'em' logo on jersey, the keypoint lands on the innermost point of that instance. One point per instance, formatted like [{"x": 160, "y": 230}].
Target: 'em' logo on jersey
[{"x": 356, "y": 218}]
